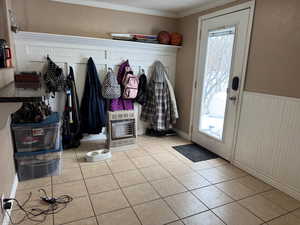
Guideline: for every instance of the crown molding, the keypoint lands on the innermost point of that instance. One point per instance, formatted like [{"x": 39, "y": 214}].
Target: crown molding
[
  {"x": 120, "y": 7},
  {"x": 204, "y": 7},
  {"x": 153, "y": 12}
]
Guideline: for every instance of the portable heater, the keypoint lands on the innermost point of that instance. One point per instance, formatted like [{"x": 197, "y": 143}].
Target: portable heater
[{"x": 122, "y": 129}]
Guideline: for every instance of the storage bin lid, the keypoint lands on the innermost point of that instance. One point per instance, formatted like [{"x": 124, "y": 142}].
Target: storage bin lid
[
  {"x": 22, "y": 154},
  {"x": 52, "y": 119}
]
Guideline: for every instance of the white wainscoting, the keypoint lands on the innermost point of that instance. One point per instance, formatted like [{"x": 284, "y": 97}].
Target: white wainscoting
[
  {"x": 268, "y": 142},
  {"x": 66, "y": 50}
]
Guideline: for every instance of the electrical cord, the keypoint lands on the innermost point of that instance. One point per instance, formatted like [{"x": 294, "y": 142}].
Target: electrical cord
[{"x": 55, "y": 205}]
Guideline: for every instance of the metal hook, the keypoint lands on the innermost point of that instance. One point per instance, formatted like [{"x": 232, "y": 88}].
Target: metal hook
[
  {"x": 127, "y": 69},
  {"x": 141, "y": 70}
]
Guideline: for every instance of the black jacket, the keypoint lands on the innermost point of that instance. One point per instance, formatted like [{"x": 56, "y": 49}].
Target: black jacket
[
  {"x": 93, "y": 109},
  {"x": 141, "y": 95},
  {"x": 71, "y": 119}
]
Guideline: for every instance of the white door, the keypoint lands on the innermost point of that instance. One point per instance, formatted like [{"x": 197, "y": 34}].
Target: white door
[{"x": 222, "y": 52}]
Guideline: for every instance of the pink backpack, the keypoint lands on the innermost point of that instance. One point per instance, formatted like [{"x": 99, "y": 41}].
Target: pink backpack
[{"x": 130, "y": 83}]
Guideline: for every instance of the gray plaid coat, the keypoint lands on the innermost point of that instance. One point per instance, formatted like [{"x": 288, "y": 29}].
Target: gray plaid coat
[{"x": 160, "y": 108}]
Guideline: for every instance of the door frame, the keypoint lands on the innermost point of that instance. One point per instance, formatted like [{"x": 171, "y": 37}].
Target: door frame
[{"x": 247, "y": 5}]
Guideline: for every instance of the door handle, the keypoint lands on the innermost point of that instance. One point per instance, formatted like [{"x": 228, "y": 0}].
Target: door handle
[{"x": 235, "y": 83}]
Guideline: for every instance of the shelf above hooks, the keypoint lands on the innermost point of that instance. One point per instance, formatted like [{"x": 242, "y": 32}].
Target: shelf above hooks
[{"x": 10, "y": 93}]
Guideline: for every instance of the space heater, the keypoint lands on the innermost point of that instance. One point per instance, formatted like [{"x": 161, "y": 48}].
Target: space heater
[{"x": 122, "y": 129}]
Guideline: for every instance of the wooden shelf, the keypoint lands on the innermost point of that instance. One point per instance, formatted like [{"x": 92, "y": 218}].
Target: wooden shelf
[
  {"x": 10, "y": 93},
  {"x": 70, "y": 39}
]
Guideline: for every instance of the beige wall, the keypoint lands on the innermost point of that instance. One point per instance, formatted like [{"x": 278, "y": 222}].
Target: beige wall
[
  {"x": 273, "y": 65},
  {"x": 273, "y": 59},
  {"x": 53, "y": 17},
  {"x": 7, "y": 166}
]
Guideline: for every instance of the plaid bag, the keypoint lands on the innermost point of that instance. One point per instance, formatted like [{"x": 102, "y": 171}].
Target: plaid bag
[{"x": 54, "y": 77}]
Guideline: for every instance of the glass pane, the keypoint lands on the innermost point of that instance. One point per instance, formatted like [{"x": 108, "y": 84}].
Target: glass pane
[{"x": 216, "y": 78}]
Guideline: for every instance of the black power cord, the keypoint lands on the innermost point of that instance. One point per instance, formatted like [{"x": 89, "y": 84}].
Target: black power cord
[{"x": 55, "y": 205}]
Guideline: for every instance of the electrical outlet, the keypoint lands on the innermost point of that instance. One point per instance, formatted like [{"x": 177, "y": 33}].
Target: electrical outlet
[{"x": 7, "y": 205}]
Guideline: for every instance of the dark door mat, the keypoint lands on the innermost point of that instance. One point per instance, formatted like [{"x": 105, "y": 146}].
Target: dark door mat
[{"x": 194, "y": 152}]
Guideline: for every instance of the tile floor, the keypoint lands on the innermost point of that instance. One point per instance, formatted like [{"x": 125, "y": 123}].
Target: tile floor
[{"x": 154, "y": 185}]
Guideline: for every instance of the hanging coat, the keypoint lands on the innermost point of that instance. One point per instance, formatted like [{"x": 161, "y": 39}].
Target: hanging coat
[
  {"x": 93, "y": 109},
  {"x": 120, "y": 103},
  {"x": 71, "y": 118},
  {"x": 173, "y": 103},
  {"x": 141, "y": 96},
  {"x": 159, "y": 108}
]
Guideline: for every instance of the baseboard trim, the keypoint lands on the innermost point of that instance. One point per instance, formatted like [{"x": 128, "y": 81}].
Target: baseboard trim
[
  {"x": 13, "y": 192},
  {"x": 141, "y": 132},
  {"x": 123, "y": 148},
  {"x": 182, "y": 134},
  {"x": 280, "y": 186}
]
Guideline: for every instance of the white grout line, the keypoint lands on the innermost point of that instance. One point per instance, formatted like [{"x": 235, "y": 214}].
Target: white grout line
[
  {"x": 149, "y": 182},
  {"x": 124, "y": 194},
  {"x": 88, "y": 195},
  {"x": 198, "y": 198}
]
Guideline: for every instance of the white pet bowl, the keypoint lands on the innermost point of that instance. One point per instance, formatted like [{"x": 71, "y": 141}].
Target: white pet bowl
[{"x": 98, "y": 155}]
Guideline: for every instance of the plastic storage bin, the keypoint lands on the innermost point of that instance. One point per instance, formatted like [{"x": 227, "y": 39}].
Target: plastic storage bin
[
  {"x": 30, "y": 137},
  {"x": 31, "y": 165}
]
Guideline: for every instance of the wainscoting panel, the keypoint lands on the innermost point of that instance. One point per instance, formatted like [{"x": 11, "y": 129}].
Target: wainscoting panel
[
  {"x": 268, "y": 142},
  {"x": 65, "y": 50}
]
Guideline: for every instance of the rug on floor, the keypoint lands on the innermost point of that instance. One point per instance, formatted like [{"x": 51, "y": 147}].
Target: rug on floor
[{"x": 194, "y": 152}]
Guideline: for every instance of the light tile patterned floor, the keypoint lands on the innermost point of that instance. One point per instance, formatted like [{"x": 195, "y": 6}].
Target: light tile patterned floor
[{"x": 155, "y": 185}]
